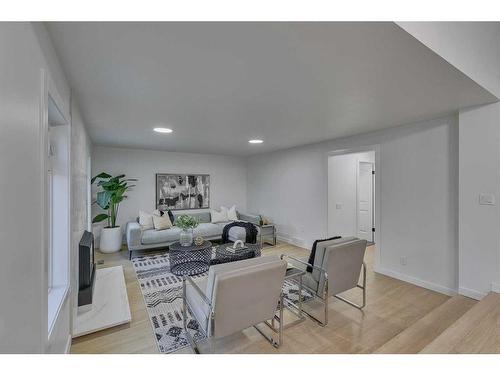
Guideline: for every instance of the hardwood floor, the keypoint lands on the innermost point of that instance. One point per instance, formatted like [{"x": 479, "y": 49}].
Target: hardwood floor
[
  {"x": 427, "y": 329},
  {"x": 477, "y": 331},
  {"x": 392, "y": 307}
]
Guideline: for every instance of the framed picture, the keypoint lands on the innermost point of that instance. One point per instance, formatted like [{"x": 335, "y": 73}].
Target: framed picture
[{"x": 182, "y": 191}]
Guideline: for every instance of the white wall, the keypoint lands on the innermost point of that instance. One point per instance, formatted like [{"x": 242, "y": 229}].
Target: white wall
[
  {"x": 472, "y": 47},
  {"x": 479, "y": 244},
  {"x": 417, "y": 172},
  {"x": 342, "y": 190},
  {"x": 23, "y": 312},
  {"x": 228, "y": 178},
  {"x": 26, "y": 49}
]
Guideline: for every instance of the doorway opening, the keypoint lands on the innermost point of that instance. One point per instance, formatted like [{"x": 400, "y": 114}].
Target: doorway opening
[{"x": 351, "y": 195}]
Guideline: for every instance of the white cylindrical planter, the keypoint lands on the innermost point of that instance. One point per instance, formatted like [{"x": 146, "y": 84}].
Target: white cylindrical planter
[{"x": 111, "y": 240}]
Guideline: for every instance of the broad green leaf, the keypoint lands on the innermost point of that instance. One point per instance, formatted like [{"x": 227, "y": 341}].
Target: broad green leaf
[
  {"x": 99, "y": 218},
  {"x": 100, "y": 175},
  {"x": 103, "y": 198}
]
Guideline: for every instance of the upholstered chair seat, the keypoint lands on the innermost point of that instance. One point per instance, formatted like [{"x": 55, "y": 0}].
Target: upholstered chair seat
[
  {"x": 336, "y": 269},
  {"x": 235, "y": 296}
]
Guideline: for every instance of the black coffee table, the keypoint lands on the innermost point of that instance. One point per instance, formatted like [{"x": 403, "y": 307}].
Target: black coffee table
[
  {"x": 224, "y": 256},
  {"x": 190, "y": 260}
]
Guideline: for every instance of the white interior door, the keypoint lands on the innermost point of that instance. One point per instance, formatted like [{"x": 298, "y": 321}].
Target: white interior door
[{"x": 364, "y": 214}]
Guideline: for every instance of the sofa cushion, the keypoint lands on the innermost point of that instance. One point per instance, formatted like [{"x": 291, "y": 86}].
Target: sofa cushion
[
  {"x": 203, "y": 217},
  {"x": 207, "y": 230},
  {"x": 151, "y": 236}
]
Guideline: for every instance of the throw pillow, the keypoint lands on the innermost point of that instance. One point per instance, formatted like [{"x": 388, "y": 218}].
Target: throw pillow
[
  {"x": 162, "y": 222},
  {"x": 145, "y": 220},
  {"x": 171, "y": 216},
  {"x": 219, "y": 216},
  {"x": 232, "y": 214}
]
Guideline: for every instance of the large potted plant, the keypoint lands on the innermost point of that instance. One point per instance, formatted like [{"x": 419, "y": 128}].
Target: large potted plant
[
  {"x": 187, "y": 223},
  {"x": 110, "y": 196}
]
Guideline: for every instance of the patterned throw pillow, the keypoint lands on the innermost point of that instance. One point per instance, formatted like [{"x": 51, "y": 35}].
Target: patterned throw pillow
[{"x": 161, "y": 222}]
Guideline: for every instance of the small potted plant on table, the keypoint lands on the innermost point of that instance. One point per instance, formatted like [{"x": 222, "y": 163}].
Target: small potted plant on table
[
  {"x": 187, "y": 223},
  {"x": 109, "y": 198}
]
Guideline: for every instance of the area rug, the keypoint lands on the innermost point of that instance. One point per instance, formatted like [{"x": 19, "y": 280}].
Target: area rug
[{"x": 162, "y": 292}]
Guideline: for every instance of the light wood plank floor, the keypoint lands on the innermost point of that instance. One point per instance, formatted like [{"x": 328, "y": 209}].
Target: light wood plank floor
[
  {"x": 392, "y": 306},
  {"x": 476, "y": 332}
]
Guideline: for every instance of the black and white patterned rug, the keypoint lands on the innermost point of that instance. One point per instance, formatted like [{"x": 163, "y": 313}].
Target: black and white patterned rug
[{"x": 162, "y": 292}]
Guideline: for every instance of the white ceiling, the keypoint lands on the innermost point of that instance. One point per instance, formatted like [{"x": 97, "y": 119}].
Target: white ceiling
[{"x": 219, "y": 84}]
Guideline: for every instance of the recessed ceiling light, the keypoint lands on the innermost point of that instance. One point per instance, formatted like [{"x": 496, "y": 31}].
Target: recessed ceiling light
[
  {"x": 162, "y": 130},
  {"x": 255, "y": 141}
]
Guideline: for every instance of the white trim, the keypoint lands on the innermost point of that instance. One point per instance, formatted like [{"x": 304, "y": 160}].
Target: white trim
[
  {"x": 416, "y": 281},
  {"x": 67, "y": 348},
  {"x": 471, "y": 293},
  {"x": 358, "y": 162},
  {"x": 495, "y": 287},
  {"x": 377, "y": 222},
  {"x": 43, "y": 151},
  {"x": 57, "y": 296},
  {"x": 60, "y": 294},
  {"x": 282, "y": 237}
]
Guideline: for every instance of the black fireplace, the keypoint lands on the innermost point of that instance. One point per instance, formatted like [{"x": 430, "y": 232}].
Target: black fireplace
[{"x": 86, "y": 269}]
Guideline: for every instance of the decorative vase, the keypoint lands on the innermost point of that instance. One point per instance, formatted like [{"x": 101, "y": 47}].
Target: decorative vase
[
  {"x": 198, "y": 241},
  {"x": 111, "y": 240},
  {"x": 186, "y": 237}
]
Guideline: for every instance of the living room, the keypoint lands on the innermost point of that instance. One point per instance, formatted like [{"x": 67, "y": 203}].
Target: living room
[{"x": 173, "y": 164}]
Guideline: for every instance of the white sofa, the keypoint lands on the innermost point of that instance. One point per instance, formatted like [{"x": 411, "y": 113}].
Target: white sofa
[{"x": 138, "y": 239}]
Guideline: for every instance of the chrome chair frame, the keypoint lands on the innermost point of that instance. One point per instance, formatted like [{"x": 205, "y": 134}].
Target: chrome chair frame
[
  {"x": 324, "y": 295},
  {"x": 209, "y": 328}
]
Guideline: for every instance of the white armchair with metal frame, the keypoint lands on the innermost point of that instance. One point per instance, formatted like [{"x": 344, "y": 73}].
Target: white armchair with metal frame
[
  {"x": 336, "y": 269},
  {"x": 236, "y": 296}
]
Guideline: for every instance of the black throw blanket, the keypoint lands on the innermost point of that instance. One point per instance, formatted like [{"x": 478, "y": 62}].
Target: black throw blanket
[
  {"x": 313, "y": 251},
  {"x": 250, "y": 229}
]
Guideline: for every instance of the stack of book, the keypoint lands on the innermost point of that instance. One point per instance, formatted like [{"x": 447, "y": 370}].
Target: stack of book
[{"x": 232, "y": 250}]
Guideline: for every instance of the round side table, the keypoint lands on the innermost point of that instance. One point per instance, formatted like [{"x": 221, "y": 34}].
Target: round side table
[
  {"x": 224, "y": 256},
  {"x": 190, "y": 260}
]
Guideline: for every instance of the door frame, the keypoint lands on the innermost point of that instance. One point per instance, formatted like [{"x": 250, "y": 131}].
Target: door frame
[
  {"x": 376, "y": 191},
  {"x": 358, "y": 162}
]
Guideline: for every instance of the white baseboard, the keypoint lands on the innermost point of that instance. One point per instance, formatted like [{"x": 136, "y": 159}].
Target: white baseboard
[
  {"x": 416, "y": 281},
  {"x": 291, "y": 240},
  {"x": 471, "y": 293},
  {"x": 68, "y": 345},
  {"x": 495, "y": 287}
]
